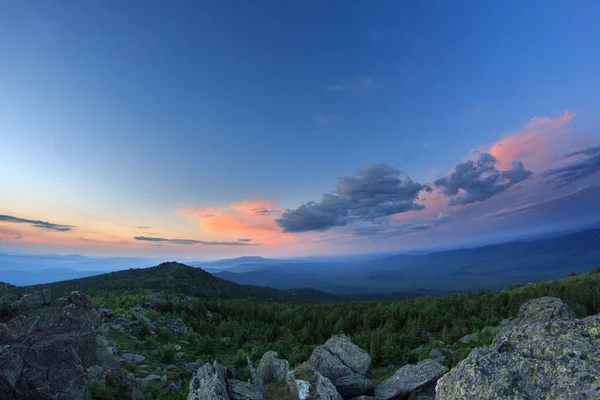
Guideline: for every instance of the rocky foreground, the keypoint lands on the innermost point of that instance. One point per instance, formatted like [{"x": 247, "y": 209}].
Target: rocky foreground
[
  {"x": 58, "y": 348},
  {"x": 545, "y": 353}
]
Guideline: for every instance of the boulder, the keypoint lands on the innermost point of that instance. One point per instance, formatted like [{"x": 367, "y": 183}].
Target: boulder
[
  {"x": 240, "y": 390},
  {"x": 353, "y": 385},
  {"x": 436, "y": 355},
  {"x": 50, "y": 348},
  {"x": 410, "y": 378},
  {"x": 81, "y": 299},
  {"x": 324, "y": 389},
  {"x": 347, "y": 381},
  {"x": 544, "y": 354},
  {"x": 208, "y": 383},
  {"x": 272, "y": 369},
  {"x": 328, "y": 364},
  {"x": 350, "y": 354},
  {"x": 470, "y": 339},
  {"x": 177, "y": 326},
  {"x": 194, "y": 365}
]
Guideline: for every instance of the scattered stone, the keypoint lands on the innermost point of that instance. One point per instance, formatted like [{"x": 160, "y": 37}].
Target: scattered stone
[
  {"x": 240, "y": 390},
  {"x": 436, "y": 355},
  {"x": 470, "y": 339},
  {"x": 410, "y": 378},
  {"x": 153, "y": 378},
  {"x": 177, "y": 326},
  {"x": 180, "y": 354},
  {"x": 193, "y": 366},
  {"x": 138, "y": 358},
  {"x": 272, "y": 369}
]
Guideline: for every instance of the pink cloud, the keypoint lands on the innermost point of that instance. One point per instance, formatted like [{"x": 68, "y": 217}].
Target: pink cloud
[
  {"x": 533, "y": 144},
  {"x": 253, "y": 219}
]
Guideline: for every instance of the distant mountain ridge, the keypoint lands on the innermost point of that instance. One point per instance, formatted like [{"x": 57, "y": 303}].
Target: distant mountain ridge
[{"x": 487, "y": 267}]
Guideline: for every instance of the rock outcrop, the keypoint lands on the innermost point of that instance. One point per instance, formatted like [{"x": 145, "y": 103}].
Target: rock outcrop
[
  {"x": 410, "y": 378},
  {"x": 272, "y": 369},
  {"x": 53, "y": 347},
  {"x": 545, "y": 353},
  {"x": 345, "y": 364},
  {"x": 209, "y": 383}
]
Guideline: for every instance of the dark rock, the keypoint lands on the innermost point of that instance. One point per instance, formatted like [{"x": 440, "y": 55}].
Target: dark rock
[
  {"x": 410, "y": 378},
  {"x": 272, "y": 369},
  {"x": 50, "y": 349},
  {"x": 193, "y": 366},
  {"x": 208, "y": 383},
  {"x": 138, "y": 358},
  {"x": 81, "y": 299},
  {"x": 437, "y": 355},
  {"x": 353, "y": 385},
  {"x": 240, "y": 390},
  {"x": 544, "y": 354}
]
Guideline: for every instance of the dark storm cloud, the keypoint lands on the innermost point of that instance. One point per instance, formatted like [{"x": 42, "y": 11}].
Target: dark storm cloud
[
  {"x": 377, "y": 191},
  {"x": 577, "y": 170},
  {"x": 479, "y": 180},
  {"x": 36, "y": 223},
  {"x": 190, "y": 242}
]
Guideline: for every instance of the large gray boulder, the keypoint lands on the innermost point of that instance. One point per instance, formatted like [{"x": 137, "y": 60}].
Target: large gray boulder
[
  {"x": 545, "y": 354},
  {"x": 350, "y": 354},
  {"x": 339, "y": 360},
  {"x": 410, "y": 378},
  {"x": 272, "y": 369},
  {"x": 208, "y": 383},
  {"x": 240, "y": 390}
]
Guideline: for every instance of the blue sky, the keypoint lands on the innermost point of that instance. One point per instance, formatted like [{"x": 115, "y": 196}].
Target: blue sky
[{"x": 119, "y": 115}]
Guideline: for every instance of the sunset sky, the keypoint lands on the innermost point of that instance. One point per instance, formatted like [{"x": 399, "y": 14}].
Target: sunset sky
[{"x": 218, "y": 129}]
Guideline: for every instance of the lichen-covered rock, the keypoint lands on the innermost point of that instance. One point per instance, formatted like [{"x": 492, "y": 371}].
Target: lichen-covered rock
[
  {"x": 350, "y": 354},
  {"x": 255, "y": 378},
  {"x": 410, "y": 378},
  {"x": 208, "y": 383},
  {"x": 324, "y": 389},
  {"x": 272, "y": 369},
  {"x": 51, "y": 348},
  {"x": 547, "y": 355},
  {"x": 240, "y": 390}
]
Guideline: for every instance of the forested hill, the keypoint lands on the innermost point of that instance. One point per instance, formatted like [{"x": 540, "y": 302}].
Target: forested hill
[{"x": 179, "y": 278}]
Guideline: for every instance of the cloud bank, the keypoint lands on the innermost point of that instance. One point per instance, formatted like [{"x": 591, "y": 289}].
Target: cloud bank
[
  {"x": 191, "y": 242},
  {"x": 377, "y": 191},
  {"x": 36, "y": 223}
]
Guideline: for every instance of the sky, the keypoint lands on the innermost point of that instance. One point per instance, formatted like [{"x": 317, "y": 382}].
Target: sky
[{"x": 215, "y": 129}]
